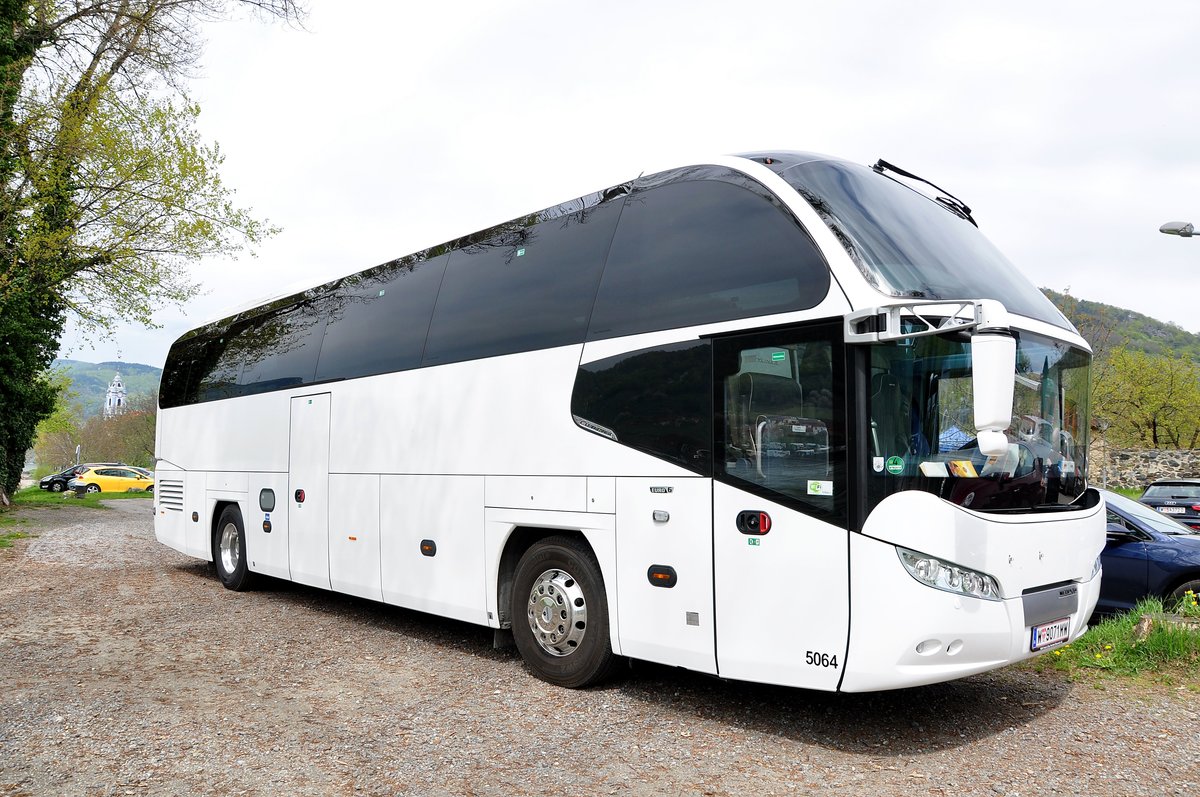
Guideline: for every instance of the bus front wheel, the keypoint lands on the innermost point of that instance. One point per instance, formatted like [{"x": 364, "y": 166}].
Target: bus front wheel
[
  {"x": 229, "y": 550},
  {"x": 560, "y": 614}
]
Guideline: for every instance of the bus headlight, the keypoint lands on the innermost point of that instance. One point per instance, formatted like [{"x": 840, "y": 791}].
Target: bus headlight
[{"x": 948, "y": 576}]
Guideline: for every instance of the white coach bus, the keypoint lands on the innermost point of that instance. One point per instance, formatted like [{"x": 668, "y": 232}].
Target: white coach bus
[{"x": 775, "y": 417}]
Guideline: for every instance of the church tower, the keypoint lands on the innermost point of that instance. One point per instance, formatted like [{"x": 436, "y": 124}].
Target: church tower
[{"x": 114, "y": 402}]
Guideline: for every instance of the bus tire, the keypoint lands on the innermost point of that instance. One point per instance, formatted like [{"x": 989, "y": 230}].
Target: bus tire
[
  {"x": 560, "y": 614},
  {"x": 229, "y": 550}
]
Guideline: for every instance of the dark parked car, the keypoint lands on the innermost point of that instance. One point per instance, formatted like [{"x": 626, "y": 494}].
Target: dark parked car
[
  {"x": 1147, "y": 554},
  {"x": 57, "y": 482},
  {"x": 1179, "y": 498}
]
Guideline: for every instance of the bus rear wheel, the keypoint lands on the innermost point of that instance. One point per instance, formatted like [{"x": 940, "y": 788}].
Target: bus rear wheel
[
  {"x": 229, "y": 550},
  {"x": 560, "y": 614}
]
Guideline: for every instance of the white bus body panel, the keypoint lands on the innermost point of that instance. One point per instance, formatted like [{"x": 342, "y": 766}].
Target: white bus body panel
[
  {"x": 780, "y": 595},
  {"x": 308, "y": 520},
  {"x": 666, "y": 521},
  {"x": 449, "y": 511},
  {"x": 170, "y": 521},
  {"x": 354, "y": 547},
  {"x": 893, "y": 613},
  {"x": 199, "y": 532},
  {"x": 503, "y": 416},
  {"x": 267, "y": 552}
]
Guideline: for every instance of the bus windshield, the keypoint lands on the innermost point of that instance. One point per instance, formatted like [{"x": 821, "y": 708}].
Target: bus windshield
[
  {"x": 905, "y": 244},
  {"x": 921, "y": 433}
]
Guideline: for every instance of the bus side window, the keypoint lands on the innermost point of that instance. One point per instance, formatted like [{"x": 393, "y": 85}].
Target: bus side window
[
  {"x": 521, "y": 286},
  {"x": 655, "y": 400},
  {"x": 704, "y": 245},
  {"x": 378, "y": 320}
]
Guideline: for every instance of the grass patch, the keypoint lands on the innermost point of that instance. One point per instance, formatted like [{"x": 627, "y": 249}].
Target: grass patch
[
  {"x": 7, "y": 537},
  {"x": 36, "y": 496},
  {"x": 1168, "y": 654},
  {"x": 1132, "y": 493}
]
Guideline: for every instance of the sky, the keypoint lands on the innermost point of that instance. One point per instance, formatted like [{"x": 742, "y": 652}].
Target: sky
[{"x": 383, "y": 127}]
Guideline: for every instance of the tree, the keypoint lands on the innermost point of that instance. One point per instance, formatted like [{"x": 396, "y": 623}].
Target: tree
[
  {"x": 106, "y": 188},
  {"x": 127, "y": 438},
  {"x": 58, "y": 433},
  {"x": 1149, "y": 400}
]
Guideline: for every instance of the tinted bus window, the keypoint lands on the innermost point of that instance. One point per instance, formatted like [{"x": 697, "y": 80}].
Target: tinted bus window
[
  {"x": 279, "y": 348},
  {"x": 703, "y": 245},
  {"x": 377, "y": 320},
  {"x": 178, "y": 384},
  {"x": 219, "y": 369},
  {"x": 658, "y": 401},
  {"x": 525, "y": 285}
]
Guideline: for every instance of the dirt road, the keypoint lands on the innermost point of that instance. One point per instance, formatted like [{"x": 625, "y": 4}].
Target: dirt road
[{"x": 127, "y": 669}]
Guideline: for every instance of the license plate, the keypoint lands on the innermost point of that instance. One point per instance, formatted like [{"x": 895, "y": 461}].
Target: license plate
[
  {"x": 1048, "y": 634},
  {"x": 1172, "y": 510}
]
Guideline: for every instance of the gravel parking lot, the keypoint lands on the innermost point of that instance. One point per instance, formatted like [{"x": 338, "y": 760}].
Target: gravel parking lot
[{"x": 127, "y": 669}]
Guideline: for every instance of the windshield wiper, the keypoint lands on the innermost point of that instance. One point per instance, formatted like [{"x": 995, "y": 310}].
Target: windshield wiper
[{"x": 949, "y": 201}]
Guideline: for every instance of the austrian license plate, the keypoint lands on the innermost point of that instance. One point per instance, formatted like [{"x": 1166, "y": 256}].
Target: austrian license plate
[
  {"x": 1049, "y": 634},
  {"x": 1172, "y": 510}
]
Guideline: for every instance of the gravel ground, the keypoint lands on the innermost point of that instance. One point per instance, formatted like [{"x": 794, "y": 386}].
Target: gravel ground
[{"x": 128, "y": 670}]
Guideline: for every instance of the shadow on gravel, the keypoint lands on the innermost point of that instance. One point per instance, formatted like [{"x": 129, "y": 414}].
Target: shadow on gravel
[{"x": 901, "y": 722}]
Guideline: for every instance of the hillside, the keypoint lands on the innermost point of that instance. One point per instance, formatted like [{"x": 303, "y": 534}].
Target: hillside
[
  {"x": 1107, "y": 327},
  {"x": 91, "y": 380}
]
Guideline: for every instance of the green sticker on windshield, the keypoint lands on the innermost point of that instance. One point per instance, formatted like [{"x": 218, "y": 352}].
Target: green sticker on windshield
[
  {"x": 778, "y": 355},
  {"x": 894, "y": 465}
]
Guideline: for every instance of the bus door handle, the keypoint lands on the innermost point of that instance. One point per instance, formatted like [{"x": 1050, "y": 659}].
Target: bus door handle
[{"x": 752, "y": 521}]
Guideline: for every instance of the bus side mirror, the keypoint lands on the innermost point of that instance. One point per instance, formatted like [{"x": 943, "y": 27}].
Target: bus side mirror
[{"x": 993, "y": 365}]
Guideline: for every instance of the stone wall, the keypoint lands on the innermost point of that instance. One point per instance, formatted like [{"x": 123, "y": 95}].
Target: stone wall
[{"x": 1135, "y": 467}]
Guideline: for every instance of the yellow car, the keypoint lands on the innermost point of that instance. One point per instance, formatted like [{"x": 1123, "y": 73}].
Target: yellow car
[{"x": 111, "y": 479}]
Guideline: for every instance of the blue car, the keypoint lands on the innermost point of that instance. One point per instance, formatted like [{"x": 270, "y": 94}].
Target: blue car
[{"x": 1147, "y": 554}]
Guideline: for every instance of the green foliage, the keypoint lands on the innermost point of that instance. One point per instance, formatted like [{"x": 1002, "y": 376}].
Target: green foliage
[
  {"x": 1168, "y": 652},
  {"x": 106, "y": 189},
  {"x": 127, "y": 438},
  {"x": 29, "y": 329},
  {"x": 1146, "y": 376},
  {"x": 1149, "y": 401}
]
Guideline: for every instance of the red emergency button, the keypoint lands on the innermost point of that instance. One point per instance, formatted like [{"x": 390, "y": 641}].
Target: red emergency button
[{"x": 299, "y": 496}]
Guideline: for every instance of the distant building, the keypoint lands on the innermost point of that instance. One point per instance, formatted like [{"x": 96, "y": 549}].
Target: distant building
[{"x": 115, "y": 400}]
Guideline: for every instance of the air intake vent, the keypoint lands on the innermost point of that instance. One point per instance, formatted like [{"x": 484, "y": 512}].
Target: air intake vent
[{"x": 170, "y": 494}]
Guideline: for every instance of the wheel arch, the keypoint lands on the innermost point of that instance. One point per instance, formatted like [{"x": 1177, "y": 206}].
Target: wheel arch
[
  {"x": 520, "y": 540},
  {"x": 1177, "y": 582},
  {"x": 215, "y": 518}
]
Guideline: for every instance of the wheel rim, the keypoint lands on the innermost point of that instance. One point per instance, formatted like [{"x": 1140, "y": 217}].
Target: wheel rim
[
  {"x": 231, "y": 548},
  {"x": 91, "y": 488},
  {"x": 557, "y": 612},
  {"x": 55, "y": 487}
]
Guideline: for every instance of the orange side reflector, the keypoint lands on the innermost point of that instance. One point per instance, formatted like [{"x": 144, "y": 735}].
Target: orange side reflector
[{"x": 662, "y": 575}]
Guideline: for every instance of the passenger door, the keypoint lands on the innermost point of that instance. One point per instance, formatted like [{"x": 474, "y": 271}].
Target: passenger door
[
  {"x": 308, "y": 494},
  {"x": 780, "y": 542}
]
